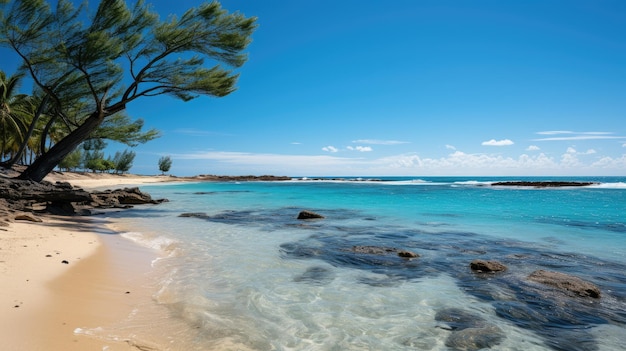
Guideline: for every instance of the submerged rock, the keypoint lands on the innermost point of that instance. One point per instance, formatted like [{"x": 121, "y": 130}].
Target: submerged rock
[
  {"x": 382, "y": 250},
  {"x": 487, "y": 266},
  {"x": 470, "y": 332},
  {"x": 473, "y": 339},
  {"x": 309, "y": 215},
  {"x": 565, "y": 282},
  {"x": 316, "y": 276},
  {"x": 459, "y": 319}
]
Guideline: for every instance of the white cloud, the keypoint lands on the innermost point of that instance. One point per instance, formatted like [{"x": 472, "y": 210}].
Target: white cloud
[
  {"x": 360, "y": 148},
  {"x": 456, "y": 163},
  {"x": 577, "y": 136},
  {"x": 533, "y": 148},
  {"x": 450, "y": 147},
  {"x": 580, "y": 137},
  {"x": 571, "y": 150},
  {"x": 494, "y": 142},
  {"x": 379, "y": 142},
  {"x": 462, "y": 163},
  {"x": 330, "y": 148},
  {"x": 624, "y": 145},
  {"x": 296, "y": 143},
  {"x": 555, "y": 132},
  {"x": 611, "y": 163}
]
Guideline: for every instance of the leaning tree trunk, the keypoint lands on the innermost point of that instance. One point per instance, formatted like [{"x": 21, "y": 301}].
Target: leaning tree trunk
[{"x": 45, "y": 163}]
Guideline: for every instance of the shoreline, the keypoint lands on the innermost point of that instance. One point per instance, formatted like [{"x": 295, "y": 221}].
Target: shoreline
[{"x": 65, "y": 277}]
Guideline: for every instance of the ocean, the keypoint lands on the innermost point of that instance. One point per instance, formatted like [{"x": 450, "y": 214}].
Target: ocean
[{"x": 239, "y": 271}]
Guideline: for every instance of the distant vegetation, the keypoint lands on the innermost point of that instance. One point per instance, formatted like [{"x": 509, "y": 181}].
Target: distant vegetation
[
  {"x": 87, "y": 66},
  {"x": 165, "y": 163}
]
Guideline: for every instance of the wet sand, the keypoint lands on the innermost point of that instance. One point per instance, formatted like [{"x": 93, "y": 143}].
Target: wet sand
[{"x": 66, "y": 275}]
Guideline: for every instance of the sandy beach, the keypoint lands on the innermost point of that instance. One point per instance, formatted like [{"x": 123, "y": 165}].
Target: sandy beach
[{"x": 66, "y": 274}]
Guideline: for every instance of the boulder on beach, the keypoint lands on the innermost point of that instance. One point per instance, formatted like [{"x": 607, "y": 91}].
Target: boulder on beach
[
  {"x": 565, "y": 282},
  {"x": 483, "y": 266}
]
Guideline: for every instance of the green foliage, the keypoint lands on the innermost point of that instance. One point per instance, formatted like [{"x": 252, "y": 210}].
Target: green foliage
[
  {"x": 94, "y": 160},
  {"x": 165, "y": 163},
  {"x": 92, "y": 69},
  {"x": 13, "y": 114},
  {"x": 72, "y": 161},
  {"x": 94, "y": 144},
  {"x": 123, "y": 161}
]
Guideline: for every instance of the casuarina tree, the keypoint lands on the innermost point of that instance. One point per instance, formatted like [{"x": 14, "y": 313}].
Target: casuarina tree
[
  {"x": 120, "y": 54},
  {"x": 165, "y": 163}
]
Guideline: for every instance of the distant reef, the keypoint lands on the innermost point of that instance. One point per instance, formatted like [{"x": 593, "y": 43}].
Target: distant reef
[
  {"x": 244, "y": 178},
  {"x": 547, "y": 184}
]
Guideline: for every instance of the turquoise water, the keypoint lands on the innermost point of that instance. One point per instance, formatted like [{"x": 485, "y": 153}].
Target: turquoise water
[{"x": 244, "y": 273}]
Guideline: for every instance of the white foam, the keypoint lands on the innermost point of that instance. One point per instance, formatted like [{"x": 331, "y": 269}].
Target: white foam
[
  {"x": 163, "y": 244},
  {"x": 618, "y": 185}
]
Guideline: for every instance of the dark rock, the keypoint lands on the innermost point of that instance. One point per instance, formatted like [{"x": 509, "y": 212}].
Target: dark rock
[
  {"x": 407, "y": 254},
  {"x": 565, "y": 282},
  {"x": 194, "y": 214},
  {"x": 65, "y": 262},
  {"x": 61, "y": 199},
  {"x": 473, "y": 339},
  {"x": 487, "y": 266},
  {"x": 121, "y": 197},
  {"x": 382, "y": 250},
  {"x": 309, "y": 215},
  {"x": 374, "y": 250}
]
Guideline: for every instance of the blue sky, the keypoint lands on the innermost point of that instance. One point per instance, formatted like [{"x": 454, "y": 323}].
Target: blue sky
[{"x": 415, "y": 88}]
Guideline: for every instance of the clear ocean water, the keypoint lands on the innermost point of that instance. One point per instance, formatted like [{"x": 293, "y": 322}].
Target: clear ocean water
[{"x": 242, "y": 273}]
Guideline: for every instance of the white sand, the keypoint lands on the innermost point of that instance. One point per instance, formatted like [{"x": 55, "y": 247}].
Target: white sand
[{"x": 43, "y": 299}]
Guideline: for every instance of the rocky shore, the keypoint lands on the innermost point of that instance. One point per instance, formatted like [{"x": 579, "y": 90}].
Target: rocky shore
[{"x": 25, "y": 200}]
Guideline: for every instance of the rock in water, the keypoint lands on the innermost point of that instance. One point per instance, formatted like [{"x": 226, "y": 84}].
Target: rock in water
[
  {"x": 458, "y": 319},
  {"x": 566, "y": 283},
  {"x": 407, "y": 254},
  {"x": 309, "y": 215},
  {"x": 487, "y": 266},
  {"x": 473, "y": 339},
  {"x": 470, "y": 332}
]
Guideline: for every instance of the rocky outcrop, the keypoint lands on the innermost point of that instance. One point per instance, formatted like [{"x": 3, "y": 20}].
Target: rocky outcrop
[
  {"x": 245, "y": 178},
  {"x": 20, "y": 199},
  {"x": 309, "y": 215},
  {"x": 566, "y": 283},
  {"x": 482, "y": 266}
]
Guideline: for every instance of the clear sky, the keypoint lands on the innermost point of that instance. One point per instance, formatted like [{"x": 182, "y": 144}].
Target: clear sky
[{"x": 416, "y": 88}]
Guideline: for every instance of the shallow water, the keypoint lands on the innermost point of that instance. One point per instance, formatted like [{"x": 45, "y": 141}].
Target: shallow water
[{"x": 244, "y": 273}]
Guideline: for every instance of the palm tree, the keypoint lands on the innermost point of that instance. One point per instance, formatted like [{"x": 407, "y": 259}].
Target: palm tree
[{"x": 13, "y": 125}]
